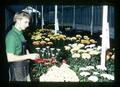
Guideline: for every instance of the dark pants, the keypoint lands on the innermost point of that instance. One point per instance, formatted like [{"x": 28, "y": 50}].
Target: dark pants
[{"x": 18, "y": 71}]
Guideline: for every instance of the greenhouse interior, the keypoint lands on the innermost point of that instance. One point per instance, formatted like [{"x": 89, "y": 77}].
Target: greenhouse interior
[{"x": 75, "y": 42}]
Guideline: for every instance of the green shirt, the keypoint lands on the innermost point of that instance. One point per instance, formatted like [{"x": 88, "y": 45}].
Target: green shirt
[{"x": 14, "y": 41}]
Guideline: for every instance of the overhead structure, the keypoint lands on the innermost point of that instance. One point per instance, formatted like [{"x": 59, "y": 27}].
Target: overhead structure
[{"x": 30, "y": 10}]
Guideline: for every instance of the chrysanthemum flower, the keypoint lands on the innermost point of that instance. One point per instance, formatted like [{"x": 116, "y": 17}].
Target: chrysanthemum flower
[
  {"x": 108, "y": 76},
  {"x": 93, "y": 78},
  {"x": 76, "y": 55},
  {"x": 86, "y": 56},
  {"x": 84, "y": 73}
]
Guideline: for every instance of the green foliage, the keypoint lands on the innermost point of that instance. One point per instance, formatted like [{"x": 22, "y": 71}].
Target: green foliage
[
  {"x": 110, "y": 66},
  {"x": 63, "y": 54}
]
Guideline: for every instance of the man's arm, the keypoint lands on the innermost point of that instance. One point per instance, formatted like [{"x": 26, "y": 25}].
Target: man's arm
[{"x": 14, "y": 58}]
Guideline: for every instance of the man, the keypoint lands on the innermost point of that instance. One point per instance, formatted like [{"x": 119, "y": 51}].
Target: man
[{"x": 15, "y": 48}]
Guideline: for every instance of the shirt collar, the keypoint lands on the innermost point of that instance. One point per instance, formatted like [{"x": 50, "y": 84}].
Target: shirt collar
[
  {"x": 16, "y": 30},
  {"x": 20, "y": 33}
]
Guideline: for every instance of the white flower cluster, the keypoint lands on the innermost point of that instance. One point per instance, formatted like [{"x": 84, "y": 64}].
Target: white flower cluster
[
  {"x": 86, "y": 68},
  {"x": 100, "y": 67},
  {"x": 92, "y": 76},
  {"x": 59, "y": 74},
  {"x": 67, "y": 47},
  {"x": 76, "y": 55},
  {"x": 84, "y": 73},
  {"x": 90, "y": 67},
  {"x": 95, "y": 73},
  {"x": 108, "y": 76},
  {"x": 80, "y": 50},
  {"x": 53, "y": 75},
  {"x": 86, "y": 56}
]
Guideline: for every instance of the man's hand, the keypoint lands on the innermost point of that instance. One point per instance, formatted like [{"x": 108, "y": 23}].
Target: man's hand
[{"x": 34, "y": 56}]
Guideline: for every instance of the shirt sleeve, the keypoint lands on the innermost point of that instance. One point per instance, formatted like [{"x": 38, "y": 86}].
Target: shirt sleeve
[{"x": 10, "y": 44}]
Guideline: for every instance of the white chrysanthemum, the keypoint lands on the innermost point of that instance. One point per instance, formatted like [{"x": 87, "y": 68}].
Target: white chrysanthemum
[
  {"x": 86, "y": 56},
  {"x": 99, "y": 48},
  {"x": 37, "y": 48},
  {"x": 95, "y": 48},
  {"x": 90, "y": 67},
  {"x": 84, "y": 73},
  {"x": 67, "y": 47},
  {"x": 93, "y": 78},
  {"x": 52, "y": 48},
  {"x": 89, "y": 49},
  {"x": 73, "y": 50},
  {"x": 47, "y": 47},
  {"x": 108, "y": 76},
  {"x": 87, "y": 46},
  {"x": 58, "y": 49},
  {"x": 73, "y": 38},
  {"x": 82, "y": 51},
  {"x": 70, "y": 45},
  {"x": 75, "y": 55},
  {"x": 74, "y": 45},
  {"x": 80, "y": 45},
  {"x": 44, "y": 49},
  {"x": 101, "y": 67},
  {"x": 94, "y": 52},
  {"x": 96, "y": 73},
  {"x": 92, "y": 45},
  {"x": 82, "y": 69}
]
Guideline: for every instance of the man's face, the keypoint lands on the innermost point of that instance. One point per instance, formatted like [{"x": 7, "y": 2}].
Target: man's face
[{"x": 23, "y": 23}]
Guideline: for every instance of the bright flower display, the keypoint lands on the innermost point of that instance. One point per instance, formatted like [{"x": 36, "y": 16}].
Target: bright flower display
[{"x": 80, "y": 53}]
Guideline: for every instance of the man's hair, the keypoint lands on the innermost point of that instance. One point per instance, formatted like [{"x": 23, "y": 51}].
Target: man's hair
[{"x": 20, "y": 15}]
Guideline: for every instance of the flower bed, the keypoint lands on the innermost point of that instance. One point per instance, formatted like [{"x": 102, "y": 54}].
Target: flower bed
[{"x": 81, "y": 53}]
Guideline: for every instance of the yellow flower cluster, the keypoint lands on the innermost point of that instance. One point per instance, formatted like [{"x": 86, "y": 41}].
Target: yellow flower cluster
[
  {"x": 88, "y": 41},
  {"x": 48, "y": 37},
  {"x": 83, "y": 41},
  {"x": 78, "y": 36}
]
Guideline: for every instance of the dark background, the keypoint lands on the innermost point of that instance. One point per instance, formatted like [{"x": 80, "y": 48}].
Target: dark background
[{"x": 3, "y": 59}]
